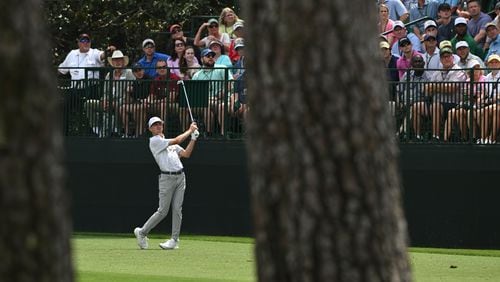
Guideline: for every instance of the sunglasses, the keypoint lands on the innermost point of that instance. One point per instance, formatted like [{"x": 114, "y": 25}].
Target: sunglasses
[
  {"x": 179, "y": 44},
  {"x": 176, "y": 30},
  {"x": 162, "y": 67},
  {"x": 84, "y": 40},
  {"x": 213, "y": 25},
  {"x": 404, "y": 44},
  {"x": 209, "y": 56}
]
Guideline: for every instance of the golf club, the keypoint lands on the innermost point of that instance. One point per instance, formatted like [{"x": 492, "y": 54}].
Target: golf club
[{"x": 187, "y": 99}]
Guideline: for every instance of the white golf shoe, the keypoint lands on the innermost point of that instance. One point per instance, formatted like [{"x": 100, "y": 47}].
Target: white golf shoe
[
  {"x": 170, "y": 244},
  {"x": 142, "y": 240}
]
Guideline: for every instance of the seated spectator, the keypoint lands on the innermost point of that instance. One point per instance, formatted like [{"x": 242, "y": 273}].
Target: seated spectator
[
  {"x": 220, "y": 57},
  {"x": 446, "y": 92},
  {"x": 487, "y": 106},
  {"x": 462, "y": 35},
  {"x": 492, "y": 44},
  {"x": 176, "y": 58},
  {"x": 151, "y": 57},
  {"x": 447, "y": 43},
  {"x": 430, "y": 28},
  {"x": 176, "y": 32},
  {"x": 102, "y": 112},
  {"x": 400, "y": 32},
  {"x": 191, "y": 62},
  {"x": 460, "y": 114},
  {"x": 446, "y": 23},
  {"x": 452, "y": 4},
  {"x": 163, "y": 92},
  {"x": 216, "y": 74},
  {"x": 424, "y": 9},
  {"x": 384, "y": 23},
  {"x": 463, "y": 51},
  {"x": 407, "y": 52},
  {"x": 213, "y": 34},
  {"x": 227, "y": 19},
  {"x": 497, "y": 15},
  {"x": 238, "y": 33},
  {"x": 137, "y": 104},
  {"x": 431, "y": 55}
]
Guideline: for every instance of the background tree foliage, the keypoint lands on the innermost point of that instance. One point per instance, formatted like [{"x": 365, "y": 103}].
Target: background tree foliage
[{"x": 124, "y": 23}]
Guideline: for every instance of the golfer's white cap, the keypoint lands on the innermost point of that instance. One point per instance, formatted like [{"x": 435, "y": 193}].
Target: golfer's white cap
[{"x": 153, "y": 120}]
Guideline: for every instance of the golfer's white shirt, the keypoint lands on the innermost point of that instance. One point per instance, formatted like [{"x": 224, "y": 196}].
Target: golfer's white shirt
[{"x": 167, "y": 157}]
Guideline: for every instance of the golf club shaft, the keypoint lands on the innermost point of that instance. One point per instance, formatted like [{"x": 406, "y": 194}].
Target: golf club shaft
[{"x": 187, "y": 100}]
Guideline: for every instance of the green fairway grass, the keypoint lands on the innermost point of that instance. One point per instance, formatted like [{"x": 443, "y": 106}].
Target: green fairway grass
[{"x": 109, "y": 258}]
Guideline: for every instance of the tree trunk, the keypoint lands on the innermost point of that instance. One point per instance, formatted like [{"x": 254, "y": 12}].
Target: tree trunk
[
  {"x": 326, "y": 195},
  {"x": 34, "y": 218}
]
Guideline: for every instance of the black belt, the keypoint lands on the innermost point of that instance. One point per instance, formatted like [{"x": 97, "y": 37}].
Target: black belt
[{"x": 172, "y": 172}]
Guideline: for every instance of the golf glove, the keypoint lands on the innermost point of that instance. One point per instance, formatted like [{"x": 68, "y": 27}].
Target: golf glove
[{"x": 195, "y": 135}]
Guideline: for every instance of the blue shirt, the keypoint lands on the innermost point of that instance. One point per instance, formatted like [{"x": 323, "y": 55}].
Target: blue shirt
[
  {"x": 453, "y": 3},
  {"x": 149, "y": 67},
  {"x": 494, "y": 48},
  {"x": 430, "y": 9}
]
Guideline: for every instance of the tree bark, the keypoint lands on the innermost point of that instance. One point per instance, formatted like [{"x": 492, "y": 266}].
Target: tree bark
[
  {"x": 34, "y": 218},
  {"x": 326, "y": 194}
]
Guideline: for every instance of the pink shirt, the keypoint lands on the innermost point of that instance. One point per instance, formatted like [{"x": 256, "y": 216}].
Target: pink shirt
[{"x": 403, "y": 64}]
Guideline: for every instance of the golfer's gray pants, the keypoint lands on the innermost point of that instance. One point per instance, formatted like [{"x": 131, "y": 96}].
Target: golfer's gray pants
[{"x": 172, "y": 189}]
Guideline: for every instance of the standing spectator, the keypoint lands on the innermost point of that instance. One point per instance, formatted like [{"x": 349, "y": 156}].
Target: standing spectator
[
  {"x": 400, "y": 32},
  {"x": 425, "y": 8},
  {"x": 238, "y": 32},
  {"x": 103, "y": 112},
  {"x": 446, "y": 94},
  {"x": 212, "y": 25},
  {"x": 220, "y": 57},
  {"x": 384, "y": 23},
  {"x": 176, "y": 32},
  {"x": 397, "y": 10},
  {"x": 446, "y": 23},
  {"x": 84, "y": 82},
  {"x": 492, "y": 44},
  {"x": 431, "y": 55},
  {"x": 151, "y": 57},
  {"x": 227, "y": 19},
  {"x": 466, "y": 56},
  {"x": 403, "y": 62},
  {"x": 239, "y": 100},
  {"x": 463, "y": 35},
  {"x": 477, "y": 22},
  {"x": 191, "y": 63}
]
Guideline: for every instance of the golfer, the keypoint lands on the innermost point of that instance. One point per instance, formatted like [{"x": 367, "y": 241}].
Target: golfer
[{"x": 172, "y": 181}]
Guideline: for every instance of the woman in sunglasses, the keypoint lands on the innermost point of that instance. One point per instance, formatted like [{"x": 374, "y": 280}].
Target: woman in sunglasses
[{"x": 212, "y": 27}]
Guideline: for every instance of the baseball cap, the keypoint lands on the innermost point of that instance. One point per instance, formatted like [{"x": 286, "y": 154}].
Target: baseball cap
[
  {"x": 429, "y": 23},
  {"x": 445, "y": 43},
  {"x": 238, "y": 24},
  {"x": 490, "y": 24},
  {"x": 215, "y": 42},
  {"x": 472, "y": 63},
  {"x": 460, "y": 20},
  {"x": 384, "y": 44},
  {"x": 153, "y": 120},
  {"x": 137, "y": 67},
  {"x": 404, "y": 40},
  {"x": 174, "y": 26},
  {"x": 429, "y": 36},
  {"x": 147, "y": 41},
  {"x": 445, "y": 50},
  {"x": 239, "y": 43},
  {"x": 444, "y": 7},
  {"x": 493, "y": 57},
  {"x": 497, "y": 6},
  {"x": 213, "y": 20},
  {"x": 207, "y": 51},
  {"x": 461, "y": 44},
  {"x": 398, "y": 23}
]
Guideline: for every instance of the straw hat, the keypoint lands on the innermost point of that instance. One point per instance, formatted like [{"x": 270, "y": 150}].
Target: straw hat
[{"x": 118, "y": 55}]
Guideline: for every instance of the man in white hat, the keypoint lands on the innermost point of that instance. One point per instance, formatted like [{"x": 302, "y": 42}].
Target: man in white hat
[
  {"x": 151, "y": 57},
  {"x": 492, "y": 44},
  {"x": 399, "y": 31},
  {"x": 423, "y": 8},
  {"x": 463, "y": 51},
  {"x": 463, "y": 35},
  {"x": 171, "y": 183},
  {"x": 102, "y": 113}
]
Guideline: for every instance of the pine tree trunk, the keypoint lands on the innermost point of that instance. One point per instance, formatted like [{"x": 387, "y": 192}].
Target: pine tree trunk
[
  {"x": 34, "y": 217},
  {"x": 326, "y": 194}
]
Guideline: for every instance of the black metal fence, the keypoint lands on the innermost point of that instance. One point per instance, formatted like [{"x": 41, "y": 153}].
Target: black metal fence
[{"x": 107, "y": 108}]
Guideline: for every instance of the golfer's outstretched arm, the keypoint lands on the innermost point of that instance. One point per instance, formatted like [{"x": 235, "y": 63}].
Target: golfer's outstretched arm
[
  {"x": 180, "y": 138},
  {"x": 189, "y": 149}
]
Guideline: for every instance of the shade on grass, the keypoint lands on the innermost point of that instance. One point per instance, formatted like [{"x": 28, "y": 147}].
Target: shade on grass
[{"x": 117, "y": 258}]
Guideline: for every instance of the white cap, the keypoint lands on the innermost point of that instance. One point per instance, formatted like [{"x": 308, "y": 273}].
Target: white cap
[
  {"x": 429, "y": 23},
  {"x": 153, "y": 120},
  {"x": 398, "y": 23},
  {"x": 472, "y": 63},
  {"x": 462, "y": 44},
  {"x": 146, "y": 41},
  {"x": 460, "y": 20}
]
